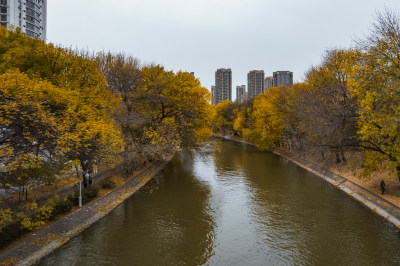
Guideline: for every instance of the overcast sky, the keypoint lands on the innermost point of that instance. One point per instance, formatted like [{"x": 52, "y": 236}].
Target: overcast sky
[{"x": 203, "y": 35}]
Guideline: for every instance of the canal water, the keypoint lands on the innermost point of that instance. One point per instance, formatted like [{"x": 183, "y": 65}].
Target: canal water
[{"x": 231, "y": 204}]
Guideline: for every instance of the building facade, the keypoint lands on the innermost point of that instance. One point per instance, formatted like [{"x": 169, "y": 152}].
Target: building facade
[
  {"x": 223, "y": 85},
  {"x": 283, "y": 78},
  {"x": 241, "y": 94},
  {"x": 255, "y": 83},
  {"x": 29, "y": 15},
  {"x": 268, "y": 83},
  {"x": 213, "y": 94}
]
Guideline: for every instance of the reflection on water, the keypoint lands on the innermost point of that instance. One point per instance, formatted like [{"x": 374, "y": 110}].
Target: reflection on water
[{"x": 235, "y": 205}]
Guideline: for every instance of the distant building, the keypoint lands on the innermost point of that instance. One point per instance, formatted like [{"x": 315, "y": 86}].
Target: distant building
[
  {"x": 255, "y": 83},
  {"x": 223, "y": 85},
  {"x": 29, "y": 15},
  {"x": 268, "y": 83},
  {"x": 241, "y": 94},
  {"x": 213, "y": 94},
  {"x": 283, "y": 78}
]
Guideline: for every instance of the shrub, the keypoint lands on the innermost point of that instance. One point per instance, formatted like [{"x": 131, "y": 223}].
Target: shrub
[
  {"x": 107, "y": 184},
  {"x": 10, "y": 233},
  {"x": 62, "y": 207},
  {"x": 88, "y": 194}
]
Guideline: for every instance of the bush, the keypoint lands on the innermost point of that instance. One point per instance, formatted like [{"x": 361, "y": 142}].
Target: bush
[
  {"x": 107, "y": 184},
  {"x": 10, "y": 233},
  {"x": 88, "y": 194},
  {"x": 62, "y": 207}
]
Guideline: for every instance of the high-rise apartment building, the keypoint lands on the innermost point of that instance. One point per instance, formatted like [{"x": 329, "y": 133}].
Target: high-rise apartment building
[
  {"x": 255, "y": 83},
  {"x": 213, "y": 95},
  {"x": 241, "y": 94},
  {"x": 283, "y": 78},
  {"x": 223, "y": 85},
  {"x": 29, "y": 15},
  {"x": 268, "y": 83}
]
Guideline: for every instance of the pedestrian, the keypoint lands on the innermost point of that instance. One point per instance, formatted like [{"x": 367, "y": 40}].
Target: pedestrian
[{"x": 382, "y": 185}]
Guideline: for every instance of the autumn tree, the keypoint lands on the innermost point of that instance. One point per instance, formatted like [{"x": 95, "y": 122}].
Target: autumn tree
[
  {"x": 225, "y": 116},
  {"x": 175, "y": 108},
  {"x": 326, "y": 107},
  {"x": 160, "y": 110},
  {"x": 243, "y": 122},
  {"x": 85, "y": 133},
  {"x": 28, "y": 130},
  {"x": 377, "y": 87},
  {"x": 269, "y": 116}
]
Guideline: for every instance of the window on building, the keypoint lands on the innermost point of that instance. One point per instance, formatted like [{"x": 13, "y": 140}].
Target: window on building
[
  {"x": 30, "y": 26},
  {"x": 30, "y": 33},
  {"x": 30, "y": 19},
  {"x": 3, "y": 24},
  {"x": 3, "y": 2},
  {"x": 3, "y": 9},
  {"x": 30, "y": 12},
  {"x": 3, "y": 17}
]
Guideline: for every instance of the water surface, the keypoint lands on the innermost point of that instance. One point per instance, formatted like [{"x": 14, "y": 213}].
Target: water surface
[{"x": 235, "y": 205}]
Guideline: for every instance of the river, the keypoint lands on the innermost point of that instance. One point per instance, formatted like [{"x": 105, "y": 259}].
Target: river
[{"x": 232, "y": 204}]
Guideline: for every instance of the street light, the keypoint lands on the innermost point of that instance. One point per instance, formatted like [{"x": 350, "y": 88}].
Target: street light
[{"x": 80, "y": 193}]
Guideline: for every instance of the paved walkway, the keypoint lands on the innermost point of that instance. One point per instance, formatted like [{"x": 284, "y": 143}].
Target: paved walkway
[
  {"x": 36, "y": 246},
  {"x": 377, "y": 204}
]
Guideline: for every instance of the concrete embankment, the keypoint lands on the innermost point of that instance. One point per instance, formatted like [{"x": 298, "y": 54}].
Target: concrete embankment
[
  {"x": 377, "y": 204},
  {"x": 36, "y": 246}
]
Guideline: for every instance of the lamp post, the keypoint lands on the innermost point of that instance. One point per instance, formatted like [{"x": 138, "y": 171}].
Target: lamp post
[{"x": 80, "y": 194}]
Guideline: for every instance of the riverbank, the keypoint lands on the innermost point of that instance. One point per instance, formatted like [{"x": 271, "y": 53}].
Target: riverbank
[
  {"x": 32, "y": 248},
  {"x": 369, "y": 198}
]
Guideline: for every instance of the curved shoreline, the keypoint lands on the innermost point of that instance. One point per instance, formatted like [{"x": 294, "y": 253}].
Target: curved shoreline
[
  {"x": 378, "y": 205},
  {"x": 33, "y": 248}
]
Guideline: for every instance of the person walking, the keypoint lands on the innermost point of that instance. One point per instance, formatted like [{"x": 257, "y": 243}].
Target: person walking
[{"x": 382, "y": 185}]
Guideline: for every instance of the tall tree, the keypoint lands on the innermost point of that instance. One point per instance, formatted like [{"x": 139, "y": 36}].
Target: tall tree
[
  {"x": 326, "y": 106},
  {"x": 377, "y": 86},
  {"x": 86, "y": 133}
]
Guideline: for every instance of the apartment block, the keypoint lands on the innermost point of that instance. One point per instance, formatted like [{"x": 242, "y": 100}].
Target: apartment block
[
  {"x": 223, "y": 85},
  {"x": 241, "y": 94},
  {"x": 255, "y": 83},
  {"x": 283, "y": 78},
  {"x": 29, "y": 15},
  {"x": 268, "y": 83}
]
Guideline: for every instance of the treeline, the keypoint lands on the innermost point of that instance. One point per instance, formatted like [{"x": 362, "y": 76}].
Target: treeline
[
  {"x": 65, "y": 112},
  {"x": 349, "y": 101}
]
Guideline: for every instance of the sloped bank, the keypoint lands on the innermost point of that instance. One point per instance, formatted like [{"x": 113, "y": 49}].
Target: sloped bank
[
  {"x": 372, "y": 201},
  {"x": 31, "y": 249}
]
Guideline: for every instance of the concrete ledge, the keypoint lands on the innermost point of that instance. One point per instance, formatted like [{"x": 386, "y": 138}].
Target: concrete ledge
[{"x": 40, "y": 244}]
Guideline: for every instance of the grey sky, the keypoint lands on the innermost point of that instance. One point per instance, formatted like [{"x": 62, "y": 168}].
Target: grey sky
[{"x": 203, "y": 35}]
